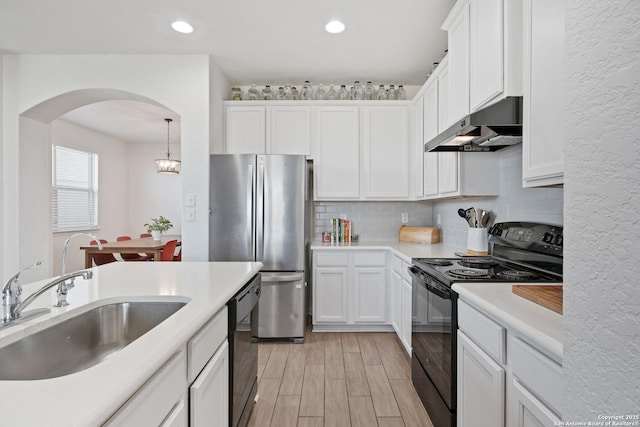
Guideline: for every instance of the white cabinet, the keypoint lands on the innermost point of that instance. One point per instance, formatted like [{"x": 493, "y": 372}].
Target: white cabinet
[
  {"x": 442, "y": 73},
  {"x": 245, "y": 130},
  {"x": 457, "y": 27},
  {"x": 481, "y": 386},
  {"x": 179, "y": 415},
  {"x": 349, "y": 290},
  {"x": 289, "y": 130},
  {"x": 430, "y": 126},
  {"x": 402, "y": 300},
  {"x": 543, "y": 102},
  {"x": 407, "y": 303},
  {"x": 337, "y": 148},
  {"x": 385, "y": 152},
  {"x": 395, "y": 287},
  {"x": 529, "y": 410},
  {"x": 209, "y": 394}
]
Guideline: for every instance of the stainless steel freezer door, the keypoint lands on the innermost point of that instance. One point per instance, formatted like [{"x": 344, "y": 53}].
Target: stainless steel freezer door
[
  {"x": 280, "y": 213},
  {"x": 281, "y": 312},
  {"x": 232, "y": 219}
]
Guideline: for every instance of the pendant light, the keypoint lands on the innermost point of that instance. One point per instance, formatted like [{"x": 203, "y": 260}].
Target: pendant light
[{"x": 168, "y": 165}]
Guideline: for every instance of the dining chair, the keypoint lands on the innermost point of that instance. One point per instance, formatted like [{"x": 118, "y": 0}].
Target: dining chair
[
  {"x": 100, "y": 259},
  {"x": 168, "y": 250},
  {"x": 133, "y": 257},
  {"x": 143, "y": 235}
]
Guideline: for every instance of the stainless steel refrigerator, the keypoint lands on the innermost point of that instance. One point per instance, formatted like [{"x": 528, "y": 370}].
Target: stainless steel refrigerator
[{"x": 259, "y": 212}]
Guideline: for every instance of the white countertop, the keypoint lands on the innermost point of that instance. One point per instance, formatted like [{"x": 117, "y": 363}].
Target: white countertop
[
  {"x": 402, "y": 249},
  {"x": 91, "y": 396},
  {"x": 542, "y": 327}
]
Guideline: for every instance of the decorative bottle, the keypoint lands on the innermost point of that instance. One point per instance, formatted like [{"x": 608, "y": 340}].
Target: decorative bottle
[
  {"x": 401, "y": 94},
  {"x": 320, "y": 93},
  {"x": 381, "y": 95},
  {"x": 369, "y": 92},
  {"x": 332, "y": 95},
  {"x": 358, "y": 92},
  {"x": 307, "y": 92},
  {"x": 343, "y": 93},
  {"x": 253, "y": 94},
  {"x": 280, "y": 94},
  {"x": 267, "y": 94},
  {"x": 391, "y": 94}
]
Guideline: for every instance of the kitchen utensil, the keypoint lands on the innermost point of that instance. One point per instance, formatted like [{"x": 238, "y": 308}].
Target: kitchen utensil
[
  {"x": 472, "y": 216},
  {"x": 484, "y": 220},
  {"x": 462, "y": 213}
]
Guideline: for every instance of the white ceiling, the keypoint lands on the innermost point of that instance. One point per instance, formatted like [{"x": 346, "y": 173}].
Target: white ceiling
[{"x": 252, "y": 41}]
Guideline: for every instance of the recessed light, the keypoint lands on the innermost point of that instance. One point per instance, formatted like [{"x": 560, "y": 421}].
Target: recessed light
[
  {"x": 334, "y": 27},
  {"x": 182, "y": 27}
]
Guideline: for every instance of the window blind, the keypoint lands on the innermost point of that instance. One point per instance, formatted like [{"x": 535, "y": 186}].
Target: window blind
[{"x": 74, "y": 202}]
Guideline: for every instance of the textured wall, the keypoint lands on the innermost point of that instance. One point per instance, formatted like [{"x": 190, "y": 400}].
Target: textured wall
[
  {"x": 372, "y": 221},
  {"x": 602, "y": 201},
  {"x": 514, "y": 203}
]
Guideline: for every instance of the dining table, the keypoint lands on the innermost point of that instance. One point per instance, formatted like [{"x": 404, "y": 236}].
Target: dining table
[{"x": 146, "y": 245}]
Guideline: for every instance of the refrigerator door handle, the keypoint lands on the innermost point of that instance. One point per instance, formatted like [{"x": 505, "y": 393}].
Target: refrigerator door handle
[
  {"x": 260, "y": 213},
  {"x": 251, "y": 225},
  {"x": 265, "y": 278}
]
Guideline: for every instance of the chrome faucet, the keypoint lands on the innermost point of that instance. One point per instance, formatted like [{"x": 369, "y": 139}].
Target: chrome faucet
[
  {"x": 64, "y": 286},
  {"x": 13, "y": 308}
]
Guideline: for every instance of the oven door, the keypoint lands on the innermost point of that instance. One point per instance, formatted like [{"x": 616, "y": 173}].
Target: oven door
[{"x": 433, "y": 338}]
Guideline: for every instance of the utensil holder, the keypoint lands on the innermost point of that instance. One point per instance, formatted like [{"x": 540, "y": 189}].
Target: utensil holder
[{"x": 477, "y": 241}]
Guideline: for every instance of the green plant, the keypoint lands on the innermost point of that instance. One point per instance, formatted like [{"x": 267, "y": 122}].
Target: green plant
[{"x": 161, "y": 224}]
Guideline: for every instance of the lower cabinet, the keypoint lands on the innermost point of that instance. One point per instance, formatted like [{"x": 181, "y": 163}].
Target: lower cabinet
[
  {"x": 402, "y": 301},
  {"x": 349, "y": 290},
  {"x": 405, "y": 317},
  {"x": 191, "y": 389},
  {"x": 529, "y": 410}
]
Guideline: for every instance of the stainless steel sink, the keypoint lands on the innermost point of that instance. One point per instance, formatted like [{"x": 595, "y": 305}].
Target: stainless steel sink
[{"x": 82, "y": 341}]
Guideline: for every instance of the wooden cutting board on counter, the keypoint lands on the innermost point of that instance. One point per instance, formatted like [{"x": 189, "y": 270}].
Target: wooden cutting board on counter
[
  {"x": 419, "y": 234},
  {"x": 549, "y": 296}
]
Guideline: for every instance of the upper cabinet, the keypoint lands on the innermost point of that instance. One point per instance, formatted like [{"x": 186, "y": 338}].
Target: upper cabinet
[
  {"x": 543, "y": 102},
  {"x": 457, "y": 69},
  {"x": 245, "y": 130}
]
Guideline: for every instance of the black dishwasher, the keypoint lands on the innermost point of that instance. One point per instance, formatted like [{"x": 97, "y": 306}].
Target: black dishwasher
[{"x": 243, "y": 352}]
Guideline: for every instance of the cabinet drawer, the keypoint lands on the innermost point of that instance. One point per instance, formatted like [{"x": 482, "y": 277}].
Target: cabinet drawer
[
  {"x": 396, "y": 264},
  {"x": 485, "y": 332},
  {"x": 369, "y": 259},
  {"x": 537, "y": 372},
  {"x": 205, "y": 342},
  {"x": 331, "y": 259}
]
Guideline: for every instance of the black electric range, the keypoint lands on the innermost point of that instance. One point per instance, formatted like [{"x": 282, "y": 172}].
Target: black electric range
[{"x": 521, "y": 252}]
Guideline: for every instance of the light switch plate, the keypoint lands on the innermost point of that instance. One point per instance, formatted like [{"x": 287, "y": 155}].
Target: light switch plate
[
  {"x": 405, "y": 217},
  {"x": 191, "y": 215},
  {"x": 191, "y": 200}
]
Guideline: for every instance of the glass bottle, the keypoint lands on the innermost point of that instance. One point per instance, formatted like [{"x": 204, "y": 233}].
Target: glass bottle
[
  {"x": 288, "y": 95},
  {"x": 401, "y": 94},
  {"x": 369, "y": 92},
  {"x": 320, "y": 93},
  {"x": 253, "y": 94},
  {"x": 236, "y": 94},
  {"x": 307, "y": 92},
  {"x": 295, "y": 95},
  {"x": 280, "y": 95},
  {"x": 358, "y": 92},
  {"x": 343, "y": 94},
  {"x": 332, "y": 95},
  {"x": 267, "y": 94},
  {"x": 381, "y": 95},
  {"x": 391, "y": 96}
]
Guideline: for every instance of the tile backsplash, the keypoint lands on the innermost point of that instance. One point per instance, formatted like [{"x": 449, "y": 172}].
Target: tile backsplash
[
  {"x": 515, "y": 203},
  {"x": 372, "y": 221}
]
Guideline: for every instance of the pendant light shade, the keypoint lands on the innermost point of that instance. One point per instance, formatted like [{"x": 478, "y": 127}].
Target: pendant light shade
[{"x": 168, "y": 165}]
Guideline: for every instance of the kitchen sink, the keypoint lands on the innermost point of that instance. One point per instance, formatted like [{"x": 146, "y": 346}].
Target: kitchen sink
[{"x": 82, "y": 341}]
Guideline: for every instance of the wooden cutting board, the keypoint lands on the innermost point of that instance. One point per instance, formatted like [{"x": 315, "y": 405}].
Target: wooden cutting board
[
  {"x": 549, "y": 296},
  {"x": 419, "y": 234}
]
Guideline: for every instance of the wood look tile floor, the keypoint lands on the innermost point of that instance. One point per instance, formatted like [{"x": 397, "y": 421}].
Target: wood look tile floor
[{"x": 336, "y": 379}]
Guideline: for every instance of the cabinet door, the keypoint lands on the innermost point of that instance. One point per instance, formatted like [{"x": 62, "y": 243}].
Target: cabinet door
[
  {"x": 458, "y": 36},
  {"x": 543, "y": 101},
  {"x": 369, "y": 294},
  {"x": 481, "y": 386},
  {"x": 330, "y": 295},
  {"x": 179, "y": 415},
  {"x": 430, "y": 160},
  {"x": 209, "y": 394},
  {"x": 448, "y": 173},
  {"x": 443, "y": 95},
  {"x": 396, "y": 301},
  {"x": 486, "y": 51},
  {"x": 245, "y": 130},
  {"x": 289, "y": 130},
  {"x": 405, "y": 328},
  {"x": 385, "y": 168},
  {"x": 530, "y": 412},
  {"x": 337, "y": 142}
]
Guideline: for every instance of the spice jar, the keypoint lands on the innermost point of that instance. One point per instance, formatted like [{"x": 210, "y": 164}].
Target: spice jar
[{"x": 236, "y": 93}]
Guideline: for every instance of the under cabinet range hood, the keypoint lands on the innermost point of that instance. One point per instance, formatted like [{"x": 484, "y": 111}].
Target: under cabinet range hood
[{"x": 490, "y": 129}]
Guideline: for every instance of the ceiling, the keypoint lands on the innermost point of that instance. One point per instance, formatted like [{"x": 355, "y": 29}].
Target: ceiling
[{"x": 252, "y": 41}]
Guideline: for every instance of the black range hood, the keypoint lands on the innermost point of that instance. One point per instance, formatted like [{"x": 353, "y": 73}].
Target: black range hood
[{"x": 490, "y": 129}]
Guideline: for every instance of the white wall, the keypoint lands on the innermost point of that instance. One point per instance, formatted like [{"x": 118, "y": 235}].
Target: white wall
[
  {"x": 113, "y": 188},
  {"x": 178, "y": 82},
  {"x": 602, "y": 200},
  {"x": 515, "y": 203},
  {"x": 151, "y": 194}
]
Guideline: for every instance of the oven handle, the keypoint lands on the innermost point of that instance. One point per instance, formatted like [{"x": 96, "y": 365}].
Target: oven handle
[{"x": 432, "y": 285}]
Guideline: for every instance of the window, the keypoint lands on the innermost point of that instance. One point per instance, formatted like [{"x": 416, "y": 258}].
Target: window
[{"x": 74, "y": 203}]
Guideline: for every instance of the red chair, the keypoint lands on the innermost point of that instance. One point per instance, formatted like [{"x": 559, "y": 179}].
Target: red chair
[
  {"x": 133, "y": 257},
  {"x": 143, "y": 235},
  {"x": 100, "y": 259},
  {"x": 168, "y": 250}
]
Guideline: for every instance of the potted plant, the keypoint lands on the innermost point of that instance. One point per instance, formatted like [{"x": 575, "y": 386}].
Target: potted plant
[{"x": 157, "y": 226}]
